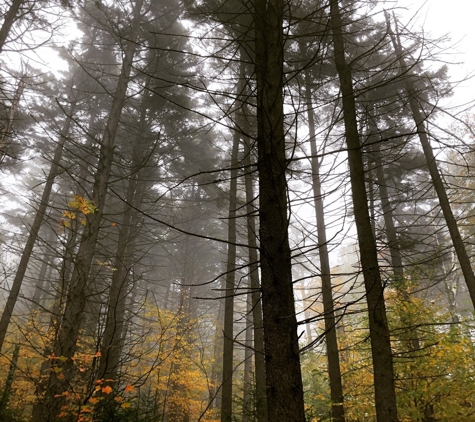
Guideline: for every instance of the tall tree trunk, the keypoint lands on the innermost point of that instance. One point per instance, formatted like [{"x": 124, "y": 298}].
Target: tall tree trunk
[
  {"x": 336, "y": 387},
  {"x": 390, "y": 228},
  {"x": 38, "y": 221},
  {"x": 391, "y": 234},
  {"x": 112, "y": 339},
  {"x": 76, "y": 297},
  {"x": 40, "y": 282},
  {"x": 216, "y": 370},
  {"x": 112, "y": 342},
  {"x": 247, "y": 381},
  {"x": 385, "y": 395},
  {"x": 283, "y": 374},
  {"x": 178, "y": 407},
  {"x": 7, "y": 388},
  {"x": 228, "y": 348},
  {"x": 258, "y": 331},
  {"x": 6, "y": 131},
  {"x": 9, "y": 20},
  {"x": 437, "y": 181}
]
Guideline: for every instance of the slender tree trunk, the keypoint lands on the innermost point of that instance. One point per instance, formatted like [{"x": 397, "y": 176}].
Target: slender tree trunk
[
  {"x": 385, "y": 395},
  {"x": 9, "y": 20},
  {"x": 247, "y": 382},
  {"x": 119, "y": 289},
  {"x": 390, "y": 228},
  {"x": 419, "y": 119},
  {"x": 6, "y": 131},
  {"x": 40, "y": 282},
  {"x": 228, "y": 348},
  {"x": 216, "y": 370},
  {"x": 38, "y": 221},
  {"x": 336, "y": 387},
  {"x": 71, "y": 243},
  {"x": 76, "y": 297},
  {"x": 7, "y": 388},
  {"x": 111, "y": 344},
  {"x": 259, "y": 355},
  {"x": 391, "y": 233},
  {"x": 283, "y": 374},
  {"x": 178, "y": 407}
]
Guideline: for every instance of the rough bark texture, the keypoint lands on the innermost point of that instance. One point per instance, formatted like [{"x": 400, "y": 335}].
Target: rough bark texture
[
  {"x": 385, "y": 395},
  {"x": 333, "y": 356},
  {"x": 283, "y": 375},
  {"x": 35, "y": 227},
  {"x": 419, "y": 119},
  {"x": 228, "y": 348}
]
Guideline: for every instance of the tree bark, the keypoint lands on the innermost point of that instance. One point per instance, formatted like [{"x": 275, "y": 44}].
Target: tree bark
[
  {"x": 7, "y": 389},
  {"x": 282, "y": 355},
  {"x": 419, "y": 119},
  {"x": 76, "y": 297},
  {"x": 333, "y": 356},
  {"x": 247, "y": 381},
  {"x": 228, "y": 347},
  {"x": 35, "y": 227},
  {"x": 258, "y": 328},
  {"x": 45, "y": 265},
  {"x": 6, "y": 132},
  {"x": 111, "y": 346},
  {"x": 391, "y": 233},
  {"x": 385, "y": 395},
  {"x": 9, "y": 20}
]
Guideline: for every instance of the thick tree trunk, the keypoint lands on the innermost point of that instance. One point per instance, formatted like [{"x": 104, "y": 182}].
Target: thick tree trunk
[
  {"x": 385, "y": 395},
  {"x": 333, "y": 356},
  {"x": 9, "y": 20},
  {"x": 30, "y": 243},
  {"x": 419, "y": 119},
  {"x": 228, "y": 348},
  {"x": 283, "y": 374}
]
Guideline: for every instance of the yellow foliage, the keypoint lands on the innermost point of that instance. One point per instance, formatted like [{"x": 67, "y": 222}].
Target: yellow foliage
[{"x": 81, "y": 204}]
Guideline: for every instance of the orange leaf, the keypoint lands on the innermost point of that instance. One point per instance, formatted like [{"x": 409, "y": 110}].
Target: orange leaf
[
  {"x": 107, "y": 390},
  {"x": 129, "y": 388}
]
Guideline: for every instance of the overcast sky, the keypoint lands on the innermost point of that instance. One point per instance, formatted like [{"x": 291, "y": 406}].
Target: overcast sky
[{"x": 456, "y": 18}]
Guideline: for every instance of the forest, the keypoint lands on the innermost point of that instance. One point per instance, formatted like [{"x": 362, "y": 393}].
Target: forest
[{"x": 235, "y": 211}]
